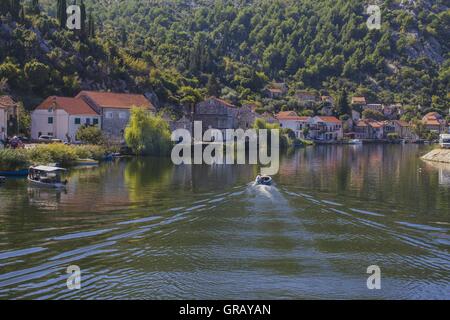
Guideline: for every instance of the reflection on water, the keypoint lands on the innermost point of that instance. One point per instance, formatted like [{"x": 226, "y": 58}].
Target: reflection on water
[
  {"x": 143, "y": 228},
  {"x": 443, "y": 170}
]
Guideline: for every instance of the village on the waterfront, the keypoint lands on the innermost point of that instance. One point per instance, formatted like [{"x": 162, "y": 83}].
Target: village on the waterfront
[
  {"x": 319, "y": 120},
  {"x": 102, "y": 118}
]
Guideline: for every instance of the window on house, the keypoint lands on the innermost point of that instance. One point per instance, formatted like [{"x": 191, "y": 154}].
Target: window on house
[
  {"x": 50, "y": 120},
  {"x": 122, "y": 115},
  {"x": 88, "y": 121},
  {"x": 77, "y": 121},
  {"x": 95, "y": 121},
  {"x": 109, "y": 115}
]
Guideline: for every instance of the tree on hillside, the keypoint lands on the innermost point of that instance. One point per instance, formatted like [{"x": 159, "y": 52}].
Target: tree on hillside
[
  {"x": 4, "y": 7},
  {"x": 91, "y": 27},
  {"x": 372, "y": 114},
  {"x": 147, "y": 134},
  {"x": 342, "y": 105},
  {"x": 14, "y": 8},
  {"x": 37, "y": 73},
  {"x": 83, "y": 17},
  {"x": 22, "y": 14},
  {"x": 213, "y": 87},
  {"x": 34, "y": 8},
  {"x": 61, "y": 12}
]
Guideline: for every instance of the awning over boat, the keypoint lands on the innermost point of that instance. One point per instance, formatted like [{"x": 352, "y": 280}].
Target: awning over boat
[{"x": 47, "y": 168}]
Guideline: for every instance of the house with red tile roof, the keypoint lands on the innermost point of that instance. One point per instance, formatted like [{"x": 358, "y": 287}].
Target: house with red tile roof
[
  {"x": 306, "y": 96},
  {"x": 360, "y": 101},
  {"x": 61, "y": 117},
  {"x": 114, "y": 109},
  {"x": 325, "y": 128},
  {"x": 8, "y": 112},
  {"x": 433, "y": 121},
  {"x": 404, "y": 130},
  {"x": 215, "y": 113},
  {"x": 290, "y": 120},
  {"x": 361, "y": 129},
  {"x": 376, "y": 130}
]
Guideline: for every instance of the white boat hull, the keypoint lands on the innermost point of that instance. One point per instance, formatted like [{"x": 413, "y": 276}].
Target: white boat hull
[{"x": 46, "y": 185}]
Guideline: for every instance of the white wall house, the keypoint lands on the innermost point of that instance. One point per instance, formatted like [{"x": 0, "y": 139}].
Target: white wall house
[
  {"x": 290, "y": 120},
  {"x": 61, "y": 118},
  {"x": 8, "y": 109},
  {"x": 3, "y": 123},
  {"x": 326, "y": 128}
]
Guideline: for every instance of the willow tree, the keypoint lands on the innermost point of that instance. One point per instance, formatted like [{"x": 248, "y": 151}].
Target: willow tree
[{"x": 146, "y": 134}]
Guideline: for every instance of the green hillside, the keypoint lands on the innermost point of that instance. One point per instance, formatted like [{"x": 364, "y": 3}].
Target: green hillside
[{"x": 184, "y": 50}]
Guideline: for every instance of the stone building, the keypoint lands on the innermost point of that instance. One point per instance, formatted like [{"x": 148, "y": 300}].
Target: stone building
[
  {"x": 215, "y": 113},
  {"x": 246, "y": 117},
  {"x": 114, "y": 109}
]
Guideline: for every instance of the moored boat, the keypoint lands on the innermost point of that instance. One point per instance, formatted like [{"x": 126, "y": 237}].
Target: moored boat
[
  {"x": 47, "y": 177},
  {"x": 14, "y": 173},
  {"x": 264, "y": 180},
  {"x": 86, "y": 162},
  {"x": 355, "y": 141}
]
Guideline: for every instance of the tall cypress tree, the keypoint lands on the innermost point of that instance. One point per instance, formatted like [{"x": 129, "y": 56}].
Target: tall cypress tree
[
  {"x": 4, "y": 7},
  {"x": 61, "y": 12},
  {"x": 83, "y": 17},
  {"x": 35, "y": 9},
  {"x": 342, "y": 103},
  {"x": 91, "y": 27},
  {"x": 22, "y": 14},
  {"x": 14, "y": 8}
]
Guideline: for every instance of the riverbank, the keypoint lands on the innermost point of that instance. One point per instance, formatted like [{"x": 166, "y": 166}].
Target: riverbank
[
  {"x": 438, "y": 155},
  {"x": 61, "y": 154}
]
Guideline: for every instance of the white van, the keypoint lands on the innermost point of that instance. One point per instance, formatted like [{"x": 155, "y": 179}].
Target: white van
[{"x": 444, "y": 141}]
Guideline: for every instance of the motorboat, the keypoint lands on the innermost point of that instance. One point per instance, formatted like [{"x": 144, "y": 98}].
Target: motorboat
[
  {"x": 47, "y": 177},
  {"x": 2, "y": 179},
  {"x": 86, "y": 162},
  {"x": 354, "y": 141},
  {"x": 264, "y": 180}
]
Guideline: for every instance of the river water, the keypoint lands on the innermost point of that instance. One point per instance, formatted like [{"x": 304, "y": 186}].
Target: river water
[{"x": 143, "y": 228}]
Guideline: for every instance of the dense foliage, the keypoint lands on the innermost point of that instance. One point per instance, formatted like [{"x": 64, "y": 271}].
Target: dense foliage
[
  {"x": 147, "y": 134},
  {"x": 90, "y": 135},
  {"x": 182, "y": 49},
  {"x": 64, "y": 155}
]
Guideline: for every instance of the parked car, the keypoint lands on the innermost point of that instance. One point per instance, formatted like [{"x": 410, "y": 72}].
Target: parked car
[
  {"x": 444, "y": 141},
  {"x": 48, "y": 139}
]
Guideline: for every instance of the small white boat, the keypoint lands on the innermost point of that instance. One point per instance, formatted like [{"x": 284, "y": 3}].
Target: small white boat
[
  {"x": 86, "y": 162},
  {"x": 46, "y": 177},
  {"x": 354, "y": 141},
  {"x": 264, "y": 180}
]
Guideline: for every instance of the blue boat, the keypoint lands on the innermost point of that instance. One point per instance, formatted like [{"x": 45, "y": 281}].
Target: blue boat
[{"x": 15, "y": 173}]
